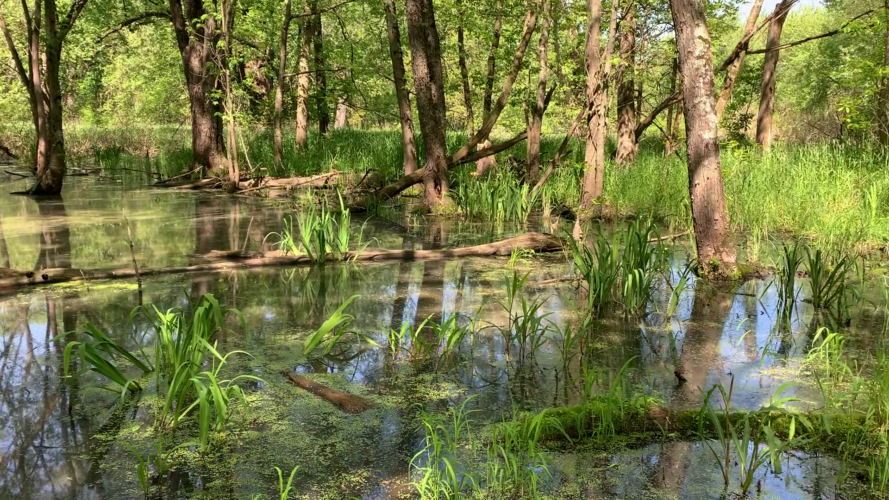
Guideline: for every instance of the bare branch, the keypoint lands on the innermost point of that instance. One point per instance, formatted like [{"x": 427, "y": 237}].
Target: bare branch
[
  {"x": 139, "y": 20},
  {"x": 809, "y": 39}
]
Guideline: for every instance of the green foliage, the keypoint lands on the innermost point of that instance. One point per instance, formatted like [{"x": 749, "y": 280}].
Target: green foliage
[{"x": 320, "y": 233}]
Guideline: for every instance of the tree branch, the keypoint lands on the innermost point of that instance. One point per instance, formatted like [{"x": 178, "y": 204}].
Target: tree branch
[
  {"x": 648, "y": 120},
  {"x": 138, "y": 20},
  {"x": 19, "y": 67},
  {"x": 742, "y": 45},
  {"x": 325, "y": 9},
  {"x": 71, "y": 18},
  {"x": 809, "y": 39}
]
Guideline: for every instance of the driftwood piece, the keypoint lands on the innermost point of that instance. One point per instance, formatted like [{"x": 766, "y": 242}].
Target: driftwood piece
[
  {"x": 347, "y": 403},
  {"x": 313, "y": 181},
  {"x": 231, "y": 261}
]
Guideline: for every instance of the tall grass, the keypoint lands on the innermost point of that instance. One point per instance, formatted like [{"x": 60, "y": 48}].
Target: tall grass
[{"x": 320, "y": 232}]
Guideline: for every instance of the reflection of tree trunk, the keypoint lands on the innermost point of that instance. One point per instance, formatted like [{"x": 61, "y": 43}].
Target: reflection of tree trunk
[
  {"x": 4, "y": 252},
  {"x": 210, "y": 228},
  {"x": 769, "y": 67},
  {"x": 700, "y": 348},
  {"x": 55, "y": 236},
  {"x": 671, "y": 467},
  {"x": 402, "y": 288}
]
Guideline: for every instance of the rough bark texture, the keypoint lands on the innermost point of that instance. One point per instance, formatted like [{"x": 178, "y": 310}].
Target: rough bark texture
[
  {"x": 44, "y": 90},
  {"x": 302, "y": 81},
  {"x": 734, "y": 69},
  {"x": 341, "y": 116},
  {"x": 197, "y": 44},
  {"x": 537, "y": 108},
  {"x": 883, "y": 118},
  {"x": 770, "y": 65},
  {"x": 408, "y": 143},
  {"x": 490, "y": 162},
  {"x": 225, "y": 261},
  {"x": 429, "y": 88},
  {"x": 279, "y": 89},
  {"x": 626, "y": 103},
  {"x": 716, "y": 251}
]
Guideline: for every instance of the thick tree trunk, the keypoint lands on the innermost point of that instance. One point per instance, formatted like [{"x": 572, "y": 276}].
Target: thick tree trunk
[
  {"x": 538, "y": 106},
  {"x": 464, "y": 72},
  {"x": 770, "y": 65},
  {"x": 197, "y": 45},
  {"x": 341, "y": 116},
  {"x": 485, "y": 164},
  {"x": 734, "y": 69},
  {"x": 716, "y": 251},
  {"x": 408, "y": 142},
  {"x": 626, "y": 103},
  {"x": 883, "y": 118},
  {"x": 429, "y": 88},
  {"x": 321, "y": 107},
  {"x": 302, "y": 81},
  {"x": 279, "y": 90}
]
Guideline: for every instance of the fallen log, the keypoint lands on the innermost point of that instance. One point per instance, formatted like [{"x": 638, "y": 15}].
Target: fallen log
[
  {"x": 231, "y": 261},
  {"x": 347, "y": 403}
]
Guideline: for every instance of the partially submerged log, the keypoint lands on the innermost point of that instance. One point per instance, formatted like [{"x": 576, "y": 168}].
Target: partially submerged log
[
  {"x": 347, "y": 403},
  {"x": 231, "y": 261},
  {"x": 329, "y": 179}
]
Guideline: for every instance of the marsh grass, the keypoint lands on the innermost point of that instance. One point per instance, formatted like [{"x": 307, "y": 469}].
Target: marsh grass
[
  {"x": 319, "y": 232},
  {"x": 786, "y": 282}
]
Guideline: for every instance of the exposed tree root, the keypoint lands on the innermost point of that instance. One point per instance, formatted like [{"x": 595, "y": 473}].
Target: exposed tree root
[
  {"x": 347, "y": 403},
  {"x": 230, "y": 261}
]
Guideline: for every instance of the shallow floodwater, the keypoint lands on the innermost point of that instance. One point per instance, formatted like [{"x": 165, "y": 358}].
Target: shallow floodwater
[{"x": 61, "y": 439}]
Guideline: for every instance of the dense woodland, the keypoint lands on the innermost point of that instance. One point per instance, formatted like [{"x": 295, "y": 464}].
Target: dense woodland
[{"x": 633, "y": 71}]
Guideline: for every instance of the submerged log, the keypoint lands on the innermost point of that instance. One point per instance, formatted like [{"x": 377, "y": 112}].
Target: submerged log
[
  {"x": 347, "y": 403},
  {"x": 329, "y": 179},
  {"x": 231, "y": 261}
]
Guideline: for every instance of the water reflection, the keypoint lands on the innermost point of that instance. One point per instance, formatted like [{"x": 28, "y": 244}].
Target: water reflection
[{"x": 51, "y": 428}]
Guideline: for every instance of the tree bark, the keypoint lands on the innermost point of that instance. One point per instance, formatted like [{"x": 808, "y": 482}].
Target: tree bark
[
  {"x": 770, "y": 65},
  {"x": 279, "y": 90},
  {"x": 598, "y": 66},
  {"x": 464, "y": 71},
  {"x": 883, "y": 112},
  {"x": 321, "y": 107},
  {"x": 734, "y": 69},
  {"x": 485, "y": 164},
  {"x": 341, "y": 116},
  {"x": 716, "y": 251},
  {"x": 408, "y": 143},
  {"x": 626, "y": 103},
  {"x": 429, "y": 88},
  {"x": 197, "y": 38},
  {"x": 302, "y": 81},
  {"x": 537, "y": 108}
]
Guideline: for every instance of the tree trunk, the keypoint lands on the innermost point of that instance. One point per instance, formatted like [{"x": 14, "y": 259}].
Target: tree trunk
[
  {"x": 731, "y": 75},
  {"x": 534, "y": 130},
  {"x": 464, "y": 72},
  {"x": 485, "y": 164},
  {"x": 321, "y": 106},
  {"x": 279, "y": 90},
  {"x": 341, "y": 116},
  {"x": 302, "y": 81},
  {"x": 197, "y": 45},
  {"x": 883, "y": 112},
  {"x": 408, "y": 143},
  {"x": 770, "y": 65},
  {"x": 716, "y": 251},
  {"x": 598, "y": 67},
  {"x": 626, "y": 104},
  {"x": 429, "y": 88},
  {"x": 234, "y": 173}
]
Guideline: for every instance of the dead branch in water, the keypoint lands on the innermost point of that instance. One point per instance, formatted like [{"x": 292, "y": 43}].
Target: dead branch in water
[
  {"x": 235, "y": 260},
  {"x": 347, "y": 403}
]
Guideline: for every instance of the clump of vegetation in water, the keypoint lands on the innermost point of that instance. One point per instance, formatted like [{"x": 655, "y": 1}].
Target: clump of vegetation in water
[{"x": 320, "y": 233}]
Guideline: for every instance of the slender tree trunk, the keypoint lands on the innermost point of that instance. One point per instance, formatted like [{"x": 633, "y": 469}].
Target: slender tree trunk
[
  {"x": 197, "y": 44},
  {"x": 770, "y": 65},
  {"x": 483, "y": 165},
  {"x": 537, "y": 107},
  {"x": 341, "y": 116},
  {"x": 672, "y": 129},
  {"x": 883, "y": 112},
  {"x": 464, "y": 71},
  {"x": 279, "y": 90},
  {"x": 598, "y": 66},
  {"x": 626, "y": 104},
  {"x": 716, "y": 251},
  {"x": 234, "y": 173},
  {"x": 321, "y": 106},
  {"x": 731, "y": 74},
  {"x": 408, "y": 143},
  {"x": 429, "y": 88},
  {"x": 302, "y": 81}
]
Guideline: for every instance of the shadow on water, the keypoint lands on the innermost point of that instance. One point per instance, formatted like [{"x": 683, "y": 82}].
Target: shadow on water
[{"x": 62, "y": 438}]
